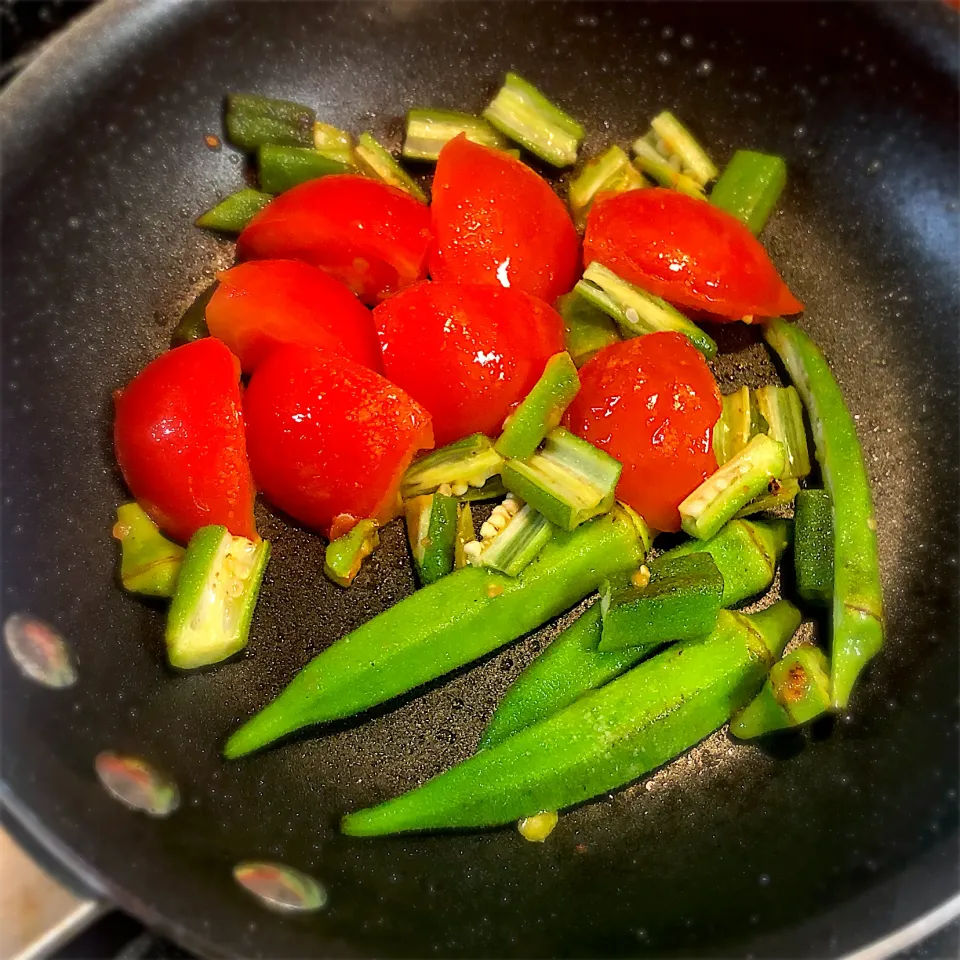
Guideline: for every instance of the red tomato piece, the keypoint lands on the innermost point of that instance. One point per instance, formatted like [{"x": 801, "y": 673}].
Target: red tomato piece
[
  {"x": 263, "y": 303},
  {"x": 466, "y": 351},
  {"x": 688, "y": 252},
  {"x": 328, "y": 437},
  {"x": 370, "y": 236},
  {"x": 497, "y": 221},
  {"x": 651, "y": 402},
  {"x": 178, "y": 435}
]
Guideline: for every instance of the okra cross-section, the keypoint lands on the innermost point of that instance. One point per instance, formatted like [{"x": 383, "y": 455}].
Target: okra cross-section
[
  {"x": 217, "y": 590},
  {"x": 637, "y": 312},
  {"x": 345, "y": 555},
  {"x": 568, "y": 480},
  {"x": 733, "y": 486},
  {"x": 149, "y": 562},
  {"x": 466, "y": 464},
  {"x": 541, "y": 410},
  {"x": 526, "y": 116}
]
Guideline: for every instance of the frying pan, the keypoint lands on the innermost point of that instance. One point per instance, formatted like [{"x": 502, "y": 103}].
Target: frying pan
[{"x": 786, "y": 850}]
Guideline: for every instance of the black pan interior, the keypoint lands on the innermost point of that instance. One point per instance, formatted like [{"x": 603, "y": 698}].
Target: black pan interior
[{"x": 801, "y": 851}]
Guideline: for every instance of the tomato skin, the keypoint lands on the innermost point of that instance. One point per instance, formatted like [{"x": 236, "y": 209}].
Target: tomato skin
[
  {"x": 328, "y": 437},
  {"x": 688, "y": 252},
  {"x": 467, "y": 352},
  {"x": 372, "y": 237},
  {"x": 263, "y": 303},
  {"x": 651, "y": 402},
  {"x": 179, "y": 441},
  {"x": 497, "y": 221}
]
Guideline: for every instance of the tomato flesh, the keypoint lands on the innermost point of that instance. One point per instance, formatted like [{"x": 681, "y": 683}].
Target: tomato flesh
[
  {"x": 651, "y": 402},
  {"x": 368, "y": 235},
  {"x": 688, "y": 252},
  {"x": 467, "y": 352},
  {"x": 179, "y": 441},
  {"x": 263, "y": 303},
  {"x": 497, "y": 221},
  {"x": 327, "y": 437}
]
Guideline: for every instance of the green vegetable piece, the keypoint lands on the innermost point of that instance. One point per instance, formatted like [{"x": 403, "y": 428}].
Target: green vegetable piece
[
  {"x": 253, "y": 121},
  {"x": 568, "y": 481},
  {"x": 739, "y": 423},
  {"x": 193, "y": 321},
  {"x": 781, "y": 408},
  {"x": 587, "y": 329},
  {"x": 432, "y": 532},
  {"x": 525, "y": 115},
  {"x": 233, "y": 213},
  {"x": 611, "y": 172},
  {"x": 429, "y": 130},
  {"x": 678, "y": 599},
  {"x": 665, "y": 173},
  {"x": 517, "y": 544},
  {"x": 857, "y": 621},
  {"x": 149, "y": 563},
  {"x": 541, "y": 410},
  {"x": 345, "y": 555},
  {"x": 281, "y": 168},
  {"x": 465, "y": 535},
  {"x": 454, "y": 621},
  {"x": 374, "y": 160},
  {"x": 635, "y": 311},
  {"x": 603, "y": 740},
  {"x": 813, "y": 547},
  {"x": 750, "y": 187},
  {"x": 733, "y": 486},
  {"x": 212, "y": 607},
  {"x": 333, "y": 143},
  {"x": 672, "y": 139},
  {"x": 796, "y": 692},
  {"x": 746, "y": 554},
  {"x": 780, "y": 493},
  {"x": 470, "y": 462}
]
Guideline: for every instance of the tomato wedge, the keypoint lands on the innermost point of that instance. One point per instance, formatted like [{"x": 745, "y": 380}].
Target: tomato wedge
[
  {"x": 328, "y": 437},
  {"x": 651, "y": 402},
  {"x": 688, "y": 252},
  {"x": 466, "y": 351},
  {"x": 178, "y": 435},
  {"x": 263, "y": 303},
  {"x": 497, "y": 221},
  {"x": 370, "y": 236}
]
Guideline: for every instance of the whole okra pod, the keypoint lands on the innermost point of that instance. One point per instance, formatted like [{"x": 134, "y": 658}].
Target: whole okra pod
[
  {"x": 602, "y": 741},
  {"x": 857, "y": 621},
  {"x": 459, "y": 618},
  {"x": 745, "y": 552}
]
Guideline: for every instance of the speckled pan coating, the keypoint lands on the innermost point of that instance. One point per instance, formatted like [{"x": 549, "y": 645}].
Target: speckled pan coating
[{"x": 730, "y": 850}]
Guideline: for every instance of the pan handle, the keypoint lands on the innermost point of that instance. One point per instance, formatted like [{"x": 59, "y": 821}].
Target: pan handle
[
  {"x": 62, "y": 901},
  {"x": 38, "y": 913}
]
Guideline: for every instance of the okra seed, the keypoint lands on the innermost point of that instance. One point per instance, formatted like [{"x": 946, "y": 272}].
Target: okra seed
[
  {"x": 537, "y": 829},
  {"x": 488, "y": 531},
  {"x": 459, "y": 489}
]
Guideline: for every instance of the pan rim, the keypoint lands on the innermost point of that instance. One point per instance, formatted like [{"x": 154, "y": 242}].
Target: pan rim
[{"x": 71, "y": 53}]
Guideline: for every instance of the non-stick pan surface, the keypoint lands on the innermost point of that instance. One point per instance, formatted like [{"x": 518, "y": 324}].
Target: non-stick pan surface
[{"x": 732, "y": 849}]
